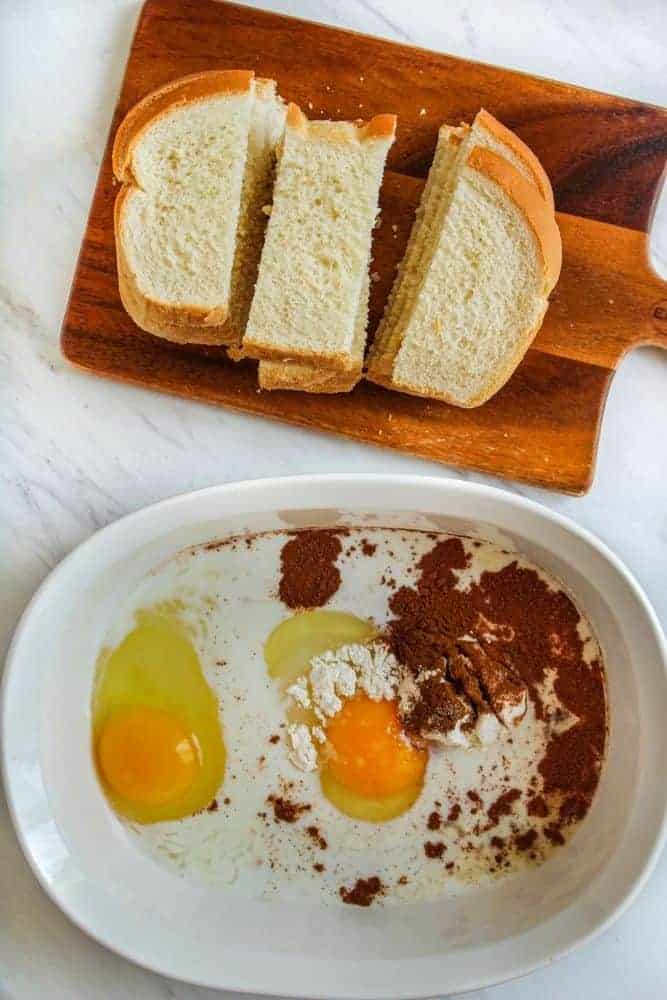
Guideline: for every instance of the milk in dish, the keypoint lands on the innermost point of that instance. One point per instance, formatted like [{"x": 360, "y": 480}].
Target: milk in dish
[{"x": 362, "y": 716}]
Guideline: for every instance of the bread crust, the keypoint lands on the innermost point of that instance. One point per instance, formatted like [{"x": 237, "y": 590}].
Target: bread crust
[
  {"x": 379, "y": 127},
  {"x": 521, "y": 150},
  {"x": 305, "y": 378},
  {"x": 262, "y": 352},
  {"x": 296, "y": 118},
  {"x": 186, "y": 90},
  {"x": 537, "y": 212},
  {"x": 183, "y": 324}
]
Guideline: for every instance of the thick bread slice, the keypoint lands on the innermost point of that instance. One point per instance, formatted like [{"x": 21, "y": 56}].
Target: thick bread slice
[
  {"x": 493, "y": 265},
  {"x": 317, "y": 247},
  {"x": 311, "y": 378},
  {"x": 410, "y": 270},
  {"x": 181, "y": 155},
  {"x": 267, "y": 124},
  {"x": 487, "y": 132}
]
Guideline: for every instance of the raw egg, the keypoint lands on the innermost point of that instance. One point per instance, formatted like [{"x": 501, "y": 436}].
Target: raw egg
[
  {"x": 369, "y": 769},
  {"x": 157, "y": 737}
]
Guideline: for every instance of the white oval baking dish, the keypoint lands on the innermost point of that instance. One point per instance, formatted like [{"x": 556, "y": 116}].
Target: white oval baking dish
[{"x": 83, "y": 860}]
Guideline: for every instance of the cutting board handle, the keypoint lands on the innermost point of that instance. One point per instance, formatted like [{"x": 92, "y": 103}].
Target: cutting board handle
[
  {"x": 654, "y": 290},
  {"x": 608, "y": 300}
]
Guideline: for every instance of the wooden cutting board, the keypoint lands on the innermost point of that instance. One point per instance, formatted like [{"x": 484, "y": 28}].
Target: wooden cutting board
[{"x": 605, "y": 157}]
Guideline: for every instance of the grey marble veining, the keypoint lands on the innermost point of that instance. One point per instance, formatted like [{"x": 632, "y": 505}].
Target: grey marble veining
[{"x": 77, "y": 452}]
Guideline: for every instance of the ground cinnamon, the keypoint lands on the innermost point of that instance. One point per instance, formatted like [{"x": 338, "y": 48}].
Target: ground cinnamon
[
  {"x": 518, "y": 623},
  {"x": 525, "y": 841},
  {"x": 315, "y": 835},
  {"x": 363, "y": 892},
  {"x": 434, "y": 821},
  {"x": 309, "y": 575},
  {"x": 502, "y": 806},
  {"x": 537, "y": 806},
  {"x": 286, "y": 811}
]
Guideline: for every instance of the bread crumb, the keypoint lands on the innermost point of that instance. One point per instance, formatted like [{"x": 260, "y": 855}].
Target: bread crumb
[
  {"x": 422, "y": 111},
  {"x": 361, "y": 105},
  {"x": 375, "y": 276},
  {"x": 361, "y": 79},
  {"x": 310, "y": 105},
  {"x": 394, "y": 227},
  {"x": 267, "y": 209}
]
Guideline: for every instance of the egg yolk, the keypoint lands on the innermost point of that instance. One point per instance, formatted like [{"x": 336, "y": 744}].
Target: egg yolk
[
  {"x": 147, "y": 756},
  {"x": 369, "y": 769}
]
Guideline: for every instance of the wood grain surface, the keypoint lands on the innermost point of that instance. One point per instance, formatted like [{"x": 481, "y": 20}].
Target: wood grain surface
[{"x": 605, "y": 156}]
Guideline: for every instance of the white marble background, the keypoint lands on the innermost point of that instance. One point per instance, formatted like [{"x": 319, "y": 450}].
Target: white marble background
[{"x": 77, "y": 452}]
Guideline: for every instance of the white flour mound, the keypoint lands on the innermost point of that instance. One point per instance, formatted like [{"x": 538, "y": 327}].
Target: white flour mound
[{"x": 333, "y": 676}]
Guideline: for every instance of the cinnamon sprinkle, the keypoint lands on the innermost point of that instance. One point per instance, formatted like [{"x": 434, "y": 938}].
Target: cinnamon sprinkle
[
  {"x": 315, "y": 835},
  {"x": 434, "y": 821},
  {"x": 285, "y": 811},
  {"x": 309, "y": 575},
  {"x": 537, "y": 806},
  {"x": 364, "y": 891},
  {"x": 502, "y": 806},
  {"x": 524, "y": 841},
  {"x": 523, "y": 631}
]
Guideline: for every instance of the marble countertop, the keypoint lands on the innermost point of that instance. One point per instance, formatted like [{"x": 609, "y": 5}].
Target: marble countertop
[{"x": 77, "y": 452}]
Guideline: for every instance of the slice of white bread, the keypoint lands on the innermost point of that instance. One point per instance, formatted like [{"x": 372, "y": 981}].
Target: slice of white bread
[
  {"x": 267, "y": 124},
  {"x": 410, "y": 269},
  {"x": 317, "y": 248},
  {"x": 453, "y": 146},
  {"x": 311, "y": 378},
  {"x": 491, "y": 254},
  {"x": 181, "y": 154}
]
